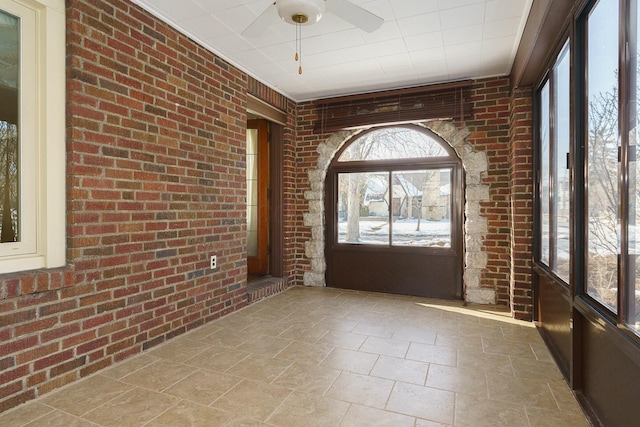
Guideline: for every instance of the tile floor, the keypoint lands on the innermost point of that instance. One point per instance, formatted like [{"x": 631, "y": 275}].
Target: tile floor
[{"x": 327, "y": 357}]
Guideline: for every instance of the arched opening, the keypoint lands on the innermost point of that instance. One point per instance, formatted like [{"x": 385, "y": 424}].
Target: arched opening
[
  {"x": 393, "y": 210},
  {"x": 474, "y": 225}
]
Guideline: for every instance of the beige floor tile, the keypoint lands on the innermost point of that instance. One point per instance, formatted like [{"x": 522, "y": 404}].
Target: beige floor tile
[
  {"x": 376, "y": 329},
  {"x": 351, "y": 361},
  {"x": 361, "y": 389},
  {"x": 345, "y": 340},
  {"x": 240, "y": 421},
  {"x": 518, "y": 333},
  {"x": 385, "y": 346},
  {"x": 344, "y": 367},
  {"x": 476, "y": 359},
  {"x": 189, "y": 414},
  {"x": 340, "y": 324},
  {"x": 271, "y": 329},
  {"x": 85, "y": 396},
  {"x": 217, "y": 358},
  {"x": 521, "y": 391},
  {"x": 422, "y": 402},
  {"x": 203, "y": 386},
  {"x": 459, "y": 342},
  {"x": 428, "y": 423},
  {"x": 330, "y": 312},
  {"x": 259, "y": 368},
  {"x": 58, "y": 419},
  {"x": 229, "y": 338},
  {"x": 535, "y": 369},
  {"x": 273, "y": 313},
  {"x": 234, "y": 321},
  {"x": 394, "y": 368},
  {"x": 264, "y": 345},
  {"x": 462, "y": 380},
  {"x": 305, "y": 352},
  {"x": 433, "y": 354},
  {"x": 159, "y": 375},
  {"x": 264, "y": 398},
  {"x": 415, "y": 334},
  {"x": 303, "y": 409},
  {"x": 128, "y": 366},
  {"x": 302, "y": 332},
  {"x": 179, "y": 350},
  {"x": 484, "y": 331},
  {"x": 358, "y": 416},
  {"x": 307, "y": 378},
  {"x": 133, "y": 408},
  {"x": 542, "y": 353},
  {"x": 508, "y": 348},
  {"x": 24, "y": 414},
  {"x": 539, "y": 417},
  {"x": 564, "y": 397},
  {"x": 474, "y": 411}
]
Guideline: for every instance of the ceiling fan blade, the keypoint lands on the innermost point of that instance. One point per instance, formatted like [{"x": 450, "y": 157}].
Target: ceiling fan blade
[
  {"x": 261, "y": 23},
  {"x": 354, "y": 14}
]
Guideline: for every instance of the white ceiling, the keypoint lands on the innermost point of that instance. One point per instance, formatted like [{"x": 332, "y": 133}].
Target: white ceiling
[{"x": 420, "y": 42}]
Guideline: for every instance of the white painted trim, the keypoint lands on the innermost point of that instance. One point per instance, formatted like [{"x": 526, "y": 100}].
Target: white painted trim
[{"x": 43, "y": 185}]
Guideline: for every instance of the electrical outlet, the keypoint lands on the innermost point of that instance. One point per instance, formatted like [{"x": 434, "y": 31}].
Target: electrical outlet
[{"x": 214, "y": 262}]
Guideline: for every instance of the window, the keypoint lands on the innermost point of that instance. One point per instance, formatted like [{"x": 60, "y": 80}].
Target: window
[
  {"x": 554, "y": 184},
  {"x": 631, "y": 314},
  {"x": 601, "y": 151},
  {"x": 32, "y": 144},
  {"x": 401, "y": 203}
]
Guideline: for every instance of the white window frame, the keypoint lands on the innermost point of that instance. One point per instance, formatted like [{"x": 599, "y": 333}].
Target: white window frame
[{"x": 42, "y": 137}]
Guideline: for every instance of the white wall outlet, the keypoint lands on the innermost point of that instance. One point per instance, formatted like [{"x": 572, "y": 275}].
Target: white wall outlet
[{"x": 214, "y": 262}]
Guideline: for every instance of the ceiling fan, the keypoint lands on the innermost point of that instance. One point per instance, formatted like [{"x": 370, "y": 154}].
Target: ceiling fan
[{"x": 307, "y": 12}]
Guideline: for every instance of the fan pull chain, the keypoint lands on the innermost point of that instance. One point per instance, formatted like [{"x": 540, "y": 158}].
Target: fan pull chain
[{"x": 299, "y": 47}]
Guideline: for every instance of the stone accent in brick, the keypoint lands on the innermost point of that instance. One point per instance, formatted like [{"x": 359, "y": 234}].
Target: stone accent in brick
[{"x": 475, "y": 167}]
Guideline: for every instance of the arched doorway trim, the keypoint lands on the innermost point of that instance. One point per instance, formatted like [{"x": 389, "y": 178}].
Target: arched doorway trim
[{"x": 475, "y": 166}]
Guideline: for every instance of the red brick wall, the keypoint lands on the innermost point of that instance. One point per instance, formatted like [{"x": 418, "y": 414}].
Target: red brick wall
[
  {"x": 490, "y": 134},
  {"x": 156, "y": 184},
  {"x": 521, "y": 189}
]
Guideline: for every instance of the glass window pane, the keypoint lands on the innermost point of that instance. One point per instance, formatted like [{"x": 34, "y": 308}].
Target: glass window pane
[
  {"x": 561, "y": 181},
  {"x": 252, "y": 192},
  {"x": 422, "y": 208},
  {"x": 393, "y": 143},
  {"x": 545, "y": 168},
  {"x": 633, "y": 285},
  {"x": 602, "y": 153},
  {"x": 9, "y": 138},
  {"x": 363, "y": 208}
]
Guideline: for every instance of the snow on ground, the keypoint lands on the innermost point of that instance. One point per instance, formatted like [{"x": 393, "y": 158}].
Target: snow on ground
[{"x": 405, "y": 233}]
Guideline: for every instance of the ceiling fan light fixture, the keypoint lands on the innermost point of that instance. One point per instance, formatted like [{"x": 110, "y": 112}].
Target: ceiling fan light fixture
[{"x": 300, "y": 12}]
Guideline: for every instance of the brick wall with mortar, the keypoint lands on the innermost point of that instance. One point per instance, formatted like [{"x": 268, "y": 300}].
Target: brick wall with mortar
[
  {"x": 489, "y": 129},
  {"x": 521, "y": 190},
  {"x": 156, "y": 184}
]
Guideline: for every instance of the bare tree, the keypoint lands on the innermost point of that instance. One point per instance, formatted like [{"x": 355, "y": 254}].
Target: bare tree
[
  {"x": 387, "y": 143},
  {"x": 8, "y": 182},
  {"x": 603, "y": 196}
]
